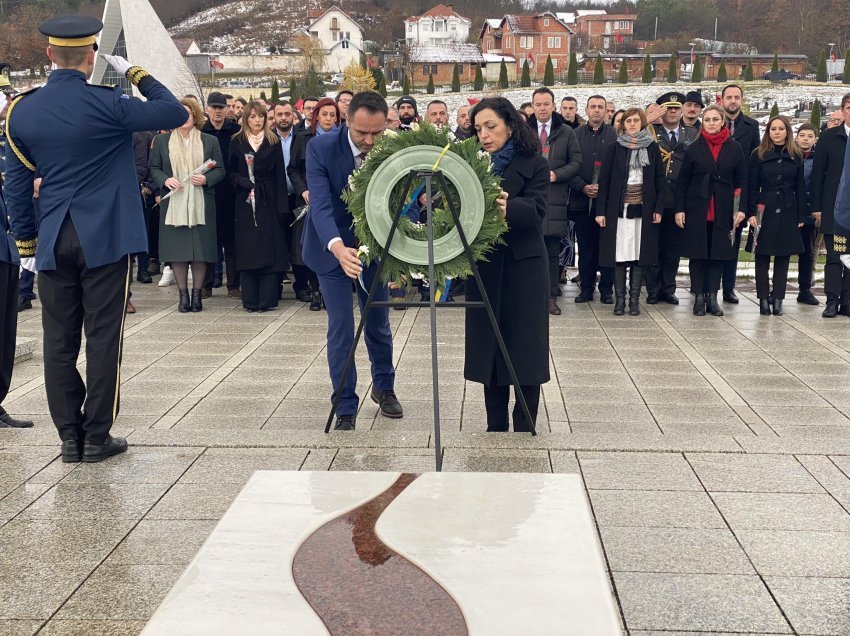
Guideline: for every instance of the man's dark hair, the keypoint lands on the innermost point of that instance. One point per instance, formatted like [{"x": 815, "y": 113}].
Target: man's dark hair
[
  {"x": 543, "y": 90},
  {"x": 727, "y": 87},
  {"x": 439, "y": 102},
  {"x": 570, "y": 98},
  {"x": 370, "y": 100},
  {"x": 596, "y": 97},
  {"x": 807, "y": 126},
  {"x": 344, "y": 91},
  {"x": 525, "y": 105},
  {"x": 309, "y": 99},
  {"x": 525, "y": 139},
  {"x": 242, "y": 101},
  {"x": 282, "y": 102},
  {"x": 845, "y": 100},
  {"x": 226, "y": 96}
]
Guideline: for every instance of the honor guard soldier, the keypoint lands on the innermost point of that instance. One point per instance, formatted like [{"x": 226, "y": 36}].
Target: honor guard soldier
[
  {"x": 673, "y": 138},
  {"x": 91, "y": 221}
]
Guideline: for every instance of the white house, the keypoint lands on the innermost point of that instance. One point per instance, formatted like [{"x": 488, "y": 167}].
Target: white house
[
  {"x": 439, "y": 25},
  {"x": 340, "y": 36}
]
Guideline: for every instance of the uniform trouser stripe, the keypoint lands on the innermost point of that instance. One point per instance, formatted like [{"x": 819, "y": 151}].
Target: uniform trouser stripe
[{"x": 121, "y": 338}]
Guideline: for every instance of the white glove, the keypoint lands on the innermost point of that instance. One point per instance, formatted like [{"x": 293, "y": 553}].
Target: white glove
[
  {"x": 845, "y": 260},
  {"x": 117, "y": 62},
  {"x": 28, "y": 264}
]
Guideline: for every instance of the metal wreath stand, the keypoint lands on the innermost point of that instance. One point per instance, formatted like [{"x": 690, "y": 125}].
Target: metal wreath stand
[{"x": 429, "y": 176}]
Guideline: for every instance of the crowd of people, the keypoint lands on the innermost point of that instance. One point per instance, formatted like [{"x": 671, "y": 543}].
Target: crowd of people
[{"x": 245, "y": 193}]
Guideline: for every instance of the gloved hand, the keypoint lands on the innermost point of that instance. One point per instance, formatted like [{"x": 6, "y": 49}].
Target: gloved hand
[
  {"x": 29, "y": 264},
  {"x": 245, "y": 183},
  {"x": 117, "y": 62}
]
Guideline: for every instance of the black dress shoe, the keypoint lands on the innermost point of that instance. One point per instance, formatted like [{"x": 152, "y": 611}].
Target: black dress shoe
[
  {"x": 844, "y": 310},
  {"x": 764, "y": 307},
  {"x": 807, "y": 298},
  {"x": 831, "y": 310},
  {"x": 345, "y": 423},
  {"x": 584, "y": 298},
  {"x": 7, "y": 421},
  {"x": 553, "y": 308},
  {"x": 777, "y": 307},
  {"x": 606, "y": 299},
  {"x": 730, "y": 297},
  {"x": 24, "y": 304},
  {"x": 652, "y": 299},
  {"x": 303, "y": 295},
  {"x": 217, "y": 281},
  {"x": 72, "y": 451},
  {"x": 670, "y": 299},
  {"x": 93, "y": 453},
  {"x": 317, "y": 302},
  {"x": 388, "y": 403},
  {"x": 143, "y": 277}
]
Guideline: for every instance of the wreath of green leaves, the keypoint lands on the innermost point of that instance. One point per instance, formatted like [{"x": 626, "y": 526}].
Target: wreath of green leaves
[{"x": 492, "y": 227}]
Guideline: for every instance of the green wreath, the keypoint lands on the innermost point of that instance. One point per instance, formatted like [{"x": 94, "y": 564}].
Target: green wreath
[{"x": 471, "y": 187}]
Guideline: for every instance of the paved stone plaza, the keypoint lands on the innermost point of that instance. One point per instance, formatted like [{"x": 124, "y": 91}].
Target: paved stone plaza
[{"x": 715, "y": 451}]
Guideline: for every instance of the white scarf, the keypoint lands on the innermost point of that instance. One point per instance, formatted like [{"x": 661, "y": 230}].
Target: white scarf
[{"x": 186, "y": 206}]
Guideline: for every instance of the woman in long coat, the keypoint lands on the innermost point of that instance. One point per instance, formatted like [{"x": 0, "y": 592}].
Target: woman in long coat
[
  {"x": 260, "y": 238},
  {"x": 324, "y": 118},
  {"x": 515, "y": 276},
  {"x": 713, "y": 171},
  {"x": 628, "y": 207},
  {"x": 777, "y": 187},
  {"x": 187, "y": 237}
]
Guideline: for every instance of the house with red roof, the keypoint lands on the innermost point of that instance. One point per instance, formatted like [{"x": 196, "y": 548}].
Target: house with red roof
[
  {"x": 528, "y": 37},
  {"x": 438, "y": 26}
]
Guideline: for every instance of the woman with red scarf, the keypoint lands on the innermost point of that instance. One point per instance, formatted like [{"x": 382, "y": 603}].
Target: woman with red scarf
[{"x": 710, "y": 196}]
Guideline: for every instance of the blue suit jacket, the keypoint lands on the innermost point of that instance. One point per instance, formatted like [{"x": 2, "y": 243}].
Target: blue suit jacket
[
  {"x": 8, "y": 251},
  {"x": 329, "y": 164},
  {"x": 79, "y": 136}
]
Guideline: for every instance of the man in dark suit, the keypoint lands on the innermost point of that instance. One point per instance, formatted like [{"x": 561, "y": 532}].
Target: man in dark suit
[
  {"x": 91, "y": 221},
  {"x": 744, "y": 130},
  {"x": 328, "y": 248},
  {"x": 827, "y": 171}
]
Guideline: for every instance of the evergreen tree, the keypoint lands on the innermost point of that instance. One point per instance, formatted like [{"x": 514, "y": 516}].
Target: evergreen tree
[
  {"x": 775, "y": 110},
  {"x": 721, "y": 72},
  {"x": 405, "y": 85},
  {"x": 673, "y": 69},
  {"x": 821, "y": 74},
  {"x": 456, "y": 79},
  {"x": 378, "y": 74},
  {"x": 646, "y": 75},
  {"x": 275, "y": 92},
  {"x": 774, "y": 68},
  {"x": 312, "y": 84},
  {"x": 598, "y": 70},
  {"x": 696, "y": 74},
  {"x": 478, "y": 82},
  {"x": 748, "y": 72},
  {"x": 503, "y": 75},
  {"x": 382, "y": 87},
  {"x": 525, "y": 80},
  {"x": 263, "y": 96},
  {"x": 430, "y": 90},
  {"x": 293, "y": 90},
  {"x": 572, "y": 70},
  {"x": 623, "y": 75},
  {"x": 548, "y": 72},
  {"x": 814, "y": 120},
  {"x": 845, "y": 78}
]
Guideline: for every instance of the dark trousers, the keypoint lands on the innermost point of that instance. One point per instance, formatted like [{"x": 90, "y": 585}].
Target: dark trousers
[
  {"x": 26, "y": 284},
  {"x": 8, "y": 323},
  {"x": 233, "y": 275},
  {"x": 705, "y": 274},
  {"x": 661, "y": 275},
  {"x": 836, "y": 283},
  {"x": 336, "y": 291},
  {"x": 305, "y": 279},
  {"x": 553, "y": 252},
  {"x": 152, "y": 225},
  {"x": 780, "y": 276},
  {"x": 587, "y": 237},
  {"x": 75, "y": 298},
  {"x": 807, "y": 259},
  {"x": 496, "y": 402},
  {"x": 259, "y": 290},
  {"x": 730, "y": 267}
]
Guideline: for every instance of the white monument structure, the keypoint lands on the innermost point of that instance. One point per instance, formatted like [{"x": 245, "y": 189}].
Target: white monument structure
[{"x": 132, "y": 29}]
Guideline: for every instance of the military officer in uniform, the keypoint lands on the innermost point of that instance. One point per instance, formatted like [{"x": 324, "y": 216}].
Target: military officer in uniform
[
  {"x": 91, "y": 221},
  {"x": 673, "y": 138}
]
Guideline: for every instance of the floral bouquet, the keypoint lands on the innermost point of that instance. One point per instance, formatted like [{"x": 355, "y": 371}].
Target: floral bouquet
[{"x": 252, "y": 197}]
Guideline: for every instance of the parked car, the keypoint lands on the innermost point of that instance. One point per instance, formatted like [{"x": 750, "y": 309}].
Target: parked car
[
  {"x": 336, "y": 79},
  {"x": 780, "y": 76}
]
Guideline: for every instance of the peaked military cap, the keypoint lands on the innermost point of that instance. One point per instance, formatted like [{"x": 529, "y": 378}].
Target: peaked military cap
[
  {"x": 72, "y": 30},
  {"x": 672, "y": 99}
]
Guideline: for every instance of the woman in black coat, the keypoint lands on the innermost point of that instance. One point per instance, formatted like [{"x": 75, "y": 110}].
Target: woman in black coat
[
  {"x": 515, "y": 276},
  {"x": 628, "y": 207},
  {"x": 777, "y": 188},
  {"x": 260, "y": 237},
  {"x": 324, "y": 118},
  {"x": 712, "y": 179}
]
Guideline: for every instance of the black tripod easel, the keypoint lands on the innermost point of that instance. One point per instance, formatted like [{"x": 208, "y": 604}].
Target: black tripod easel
[{"x": 484, "y": 303}]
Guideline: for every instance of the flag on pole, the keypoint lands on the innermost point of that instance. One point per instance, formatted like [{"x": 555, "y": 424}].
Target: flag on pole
[{"x": 216, "y": 64}]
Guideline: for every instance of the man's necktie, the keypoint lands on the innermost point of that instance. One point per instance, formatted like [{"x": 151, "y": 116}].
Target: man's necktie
[
  {"x": 544, "y": 136},
  {"x": 731, "y": 126},
  {"x": 672, "y": 137},
  {"x": 358, "y": 160}
]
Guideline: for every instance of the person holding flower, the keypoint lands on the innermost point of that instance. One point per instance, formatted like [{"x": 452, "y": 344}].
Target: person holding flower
[
  {"x": 711, "y": 194},
  {"x": 187, "y": 219},
  {"x": 256, "y": 171}
]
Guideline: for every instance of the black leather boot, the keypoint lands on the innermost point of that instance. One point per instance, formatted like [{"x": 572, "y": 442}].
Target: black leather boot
[
  {"x": 183, "y": 306},
  {"x": 711, "y": 304},
  {"x": 764, "y": 307},
  {"x": 196, "y": 300},
  {"x": 619, "y": 289},
  {"x": 831, "y": 310},
  {"x": 316, "y": 301},
  {"x": 699, "y": 305},
  {"x": 777, "y": 307},
  {"x": 635, "y": 281}
]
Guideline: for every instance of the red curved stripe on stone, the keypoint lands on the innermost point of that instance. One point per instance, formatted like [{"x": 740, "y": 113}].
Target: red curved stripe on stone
[{"x": 359, "y": 585}]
